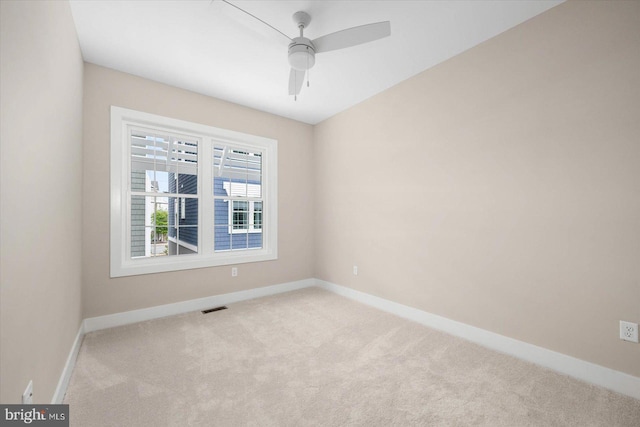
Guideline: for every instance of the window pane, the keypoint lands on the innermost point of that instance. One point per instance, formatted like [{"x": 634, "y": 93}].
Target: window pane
[
  {"x": 187, "y": 184},
  {"x": 243, "y": 241},
  {"x": 139, "y": 179},
  {"x": 189, "y": 212},
  {"x": 187, "y": 242},
  {"x": 138, "y": 211},
  {"x": 221, "y": 212},
  {"x": 185, "y": 155},
  {"x": 239, "y": 241},
  {"x": 158, "y": 246},
  {"x": 222, "y": 238},
  {"x": 182, "y": 225},
  {"x": 149, "y": 157},
  {"x": 181, "y": 244},
  {"x": 237, "y": 183},
  {"x": 240, "y": 219},
  {"x": 257, "y": 215},
  {"x": 158, "y": 162},
  {"x": 254, "y": 240},
  {"x": 149, "y": 217},
  {"x": 233, "y": 230},
  {"x": 138, "y": 241},
  {"x": 148, "y": 242},
  {"x": 160, "y": 183},
  {"x": 239, "y": 166},
  {"x": 150, "y": 181}
]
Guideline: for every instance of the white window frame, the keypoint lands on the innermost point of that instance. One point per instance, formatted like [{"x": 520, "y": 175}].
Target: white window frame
[{"x": 121, "y": 262}]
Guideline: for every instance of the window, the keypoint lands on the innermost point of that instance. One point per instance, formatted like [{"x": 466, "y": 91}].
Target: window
[
  {"x": 186, "y": 195},
  {"x": 246, "y": 217},
  {"x": 240, "y": 218},
  {"x": 257, "y": 216}
]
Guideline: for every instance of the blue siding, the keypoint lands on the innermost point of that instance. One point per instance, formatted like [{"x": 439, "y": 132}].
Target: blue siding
[
  {"x": 223, "y": 239},
  {"x": 239, "y": 240},
  {"x": 188, "y": 226},
  {"x": 221, "y": 217}
]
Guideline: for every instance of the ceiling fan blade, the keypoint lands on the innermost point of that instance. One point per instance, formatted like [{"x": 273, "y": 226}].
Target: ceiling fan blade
[
  {"x": 296, "y": 78},
  {"x": 352, "y": 36}
]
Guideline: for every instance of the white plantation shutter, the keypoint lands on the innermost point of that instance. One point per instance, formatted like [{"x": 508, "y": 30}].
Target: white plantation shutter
[
  {"x": 237, "y": 163},
  {"x": 163, "y": 153}
]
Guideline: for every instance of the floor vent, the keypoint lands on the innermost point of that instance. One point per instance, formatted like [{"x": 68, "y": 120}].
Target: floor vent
[{"x": 211, "y": 310}]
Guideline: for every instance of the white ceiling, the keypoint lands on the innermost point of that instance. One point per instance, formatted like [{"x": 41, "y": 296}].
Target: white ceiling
[{"x": 212, "y": 48}]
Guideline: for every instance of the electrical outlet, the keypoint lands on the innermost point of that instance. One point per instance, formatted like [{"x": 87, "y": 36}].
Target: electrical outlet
[
  {"x": 355, "y": 270},
  {"x": 234, "y": 271},
  {"x": 27, "y": 396},
  {"x": 628, "y": 331}
]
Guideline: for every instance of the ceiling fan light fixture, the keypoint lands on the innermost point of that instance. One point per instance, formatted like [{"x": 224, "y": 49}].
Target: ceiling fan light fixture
[
  {"x": 302, "y": 51},
  {"x": 302, "y": 55}
]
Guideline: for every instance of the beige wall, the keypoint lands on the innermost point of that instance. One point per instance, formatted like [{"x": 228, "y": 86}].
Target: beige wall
[
  {"x": 104, "y": 87},
  {"x": 41, "y": 155},
  {"x": 502, "y": 187}
]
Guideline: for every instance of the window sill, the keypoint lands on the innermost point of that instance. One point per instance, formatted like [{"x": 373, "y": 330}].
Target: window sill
[{"x": 164, "y": 264}]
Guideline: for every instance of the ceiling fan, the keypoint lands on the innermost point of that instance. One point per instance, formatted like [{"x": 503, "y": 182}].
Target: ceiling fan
[{"x": 302, "y": 51}]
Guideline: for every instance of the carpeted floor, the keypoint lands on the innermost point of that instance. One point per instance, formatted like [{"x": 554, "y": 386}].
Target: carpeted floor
[{"x": 310, "y": 357}]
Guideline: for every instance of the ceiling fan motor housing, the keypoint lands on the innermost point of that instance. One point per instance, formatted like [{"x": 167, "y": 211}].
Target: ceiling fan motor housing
[{"x": 302, "y": 54}]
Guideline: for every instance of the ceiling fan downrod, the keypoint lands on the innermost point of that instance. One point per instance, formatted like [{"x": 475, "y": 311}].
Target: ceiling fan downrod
[{"x": 302, "y": 51}]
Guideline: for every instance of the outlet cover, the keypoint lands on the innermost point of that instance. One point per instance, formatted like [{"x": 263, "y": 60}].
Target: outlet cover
[
  {"x": 27, "y": 396},
  {"x": 234, "y": 271},
  {"x": 628, "y": 331}
]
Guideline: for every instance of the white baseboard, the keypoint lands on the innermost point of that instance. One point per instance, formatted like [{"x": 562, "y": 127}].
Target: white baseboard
[
  {"x": 63, "y": 382},
  {"x": 577, "y": 368},
  {"x": 118, "y": 319},
  {"x": 568, "y": 365}
]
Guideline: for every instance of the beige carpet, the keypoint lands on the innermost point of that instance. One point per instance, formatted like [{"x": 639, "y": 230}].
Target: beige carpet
[{"x": 310, "y": 357}]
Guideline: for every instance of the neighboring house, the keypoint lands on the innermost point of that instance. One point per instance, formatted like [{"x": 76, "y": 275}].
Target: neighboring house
[{"x": 238, "y": 223}]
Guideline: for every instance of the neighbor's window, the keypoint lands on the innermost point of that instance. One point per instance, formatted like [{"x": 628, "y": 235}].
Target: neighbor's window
[
  {"x": 185, "y": 195},
  {"x": 240, "y": 216},
  {"x": 246, "y": 217},
  {"x": 239, "y": 187}
]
